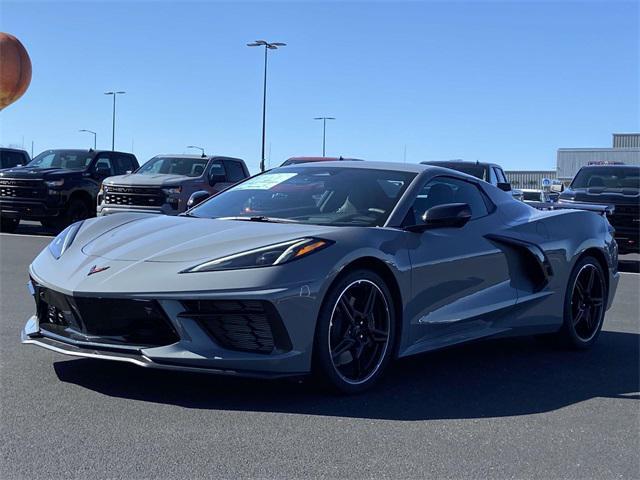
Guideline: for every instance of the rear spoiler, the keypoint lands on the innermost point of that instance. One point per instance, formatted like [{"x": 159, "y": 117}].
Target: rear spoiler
[{"x": 592, "y": 207}]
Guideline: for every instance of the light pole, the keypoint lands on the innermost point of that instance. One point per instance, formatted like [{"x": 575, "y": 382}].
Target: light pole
[
  {"x": 324, "y": 131},
  {"x": 267, "y": 46},
  {"x": 113, "y": 120},
  {"x": 199, "y": 148},
  {"x": 94, "y": 136}
]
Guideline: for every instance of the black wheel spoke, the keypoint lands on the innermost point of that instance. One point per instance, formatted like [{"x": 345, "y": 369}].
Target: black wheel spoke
[
  {"x": 344, "y": 346},
  {"x": 596, "y": 301},
  {"x": 371, "y": 300},
  {"x": 347, "y": 309},
  {"x": 378, "y": 335},
  {"x": 590, "y": 279},
  {"x": 579, "y": 317}
]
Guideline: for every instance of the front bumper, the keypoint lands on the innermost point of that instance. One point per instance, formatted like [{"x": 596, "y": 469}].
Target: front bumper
[
  {"x": 196, "y": 349},
  {"x": 165, "y": 209},
  {"x": 29, "y": 209}
]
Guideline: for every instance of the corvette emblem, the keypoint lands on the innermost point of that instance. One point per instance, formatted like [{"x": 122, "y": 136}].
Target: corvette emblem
[{"x": 96, "y": 269}]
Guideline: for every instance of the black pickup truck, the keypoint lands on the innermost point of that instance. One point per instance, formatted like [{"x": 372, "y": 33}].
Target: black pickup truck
[
  {"x": 617, "y": 185},
  {"x": 58, "y": 187}
]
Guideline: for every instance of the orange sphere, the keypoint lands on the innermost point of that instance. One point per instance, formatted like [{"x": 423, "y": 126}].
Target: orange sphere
[{"x": 15, "y": 69}]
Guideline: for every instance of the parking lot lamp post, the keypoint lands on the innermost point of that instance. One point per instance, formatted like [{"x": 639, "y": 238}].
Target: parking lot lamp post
[
  {"x": 324, "y": 131},
  {"x": 267, "y": 46},
  {"x": 113, "y": 119},
  {"x": 94, "y": 136}
]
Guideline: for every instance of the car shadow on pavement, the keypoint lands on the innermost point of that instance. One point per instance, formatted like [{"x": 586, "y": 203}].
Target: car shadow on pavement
[{"x": 485, "y": 379}]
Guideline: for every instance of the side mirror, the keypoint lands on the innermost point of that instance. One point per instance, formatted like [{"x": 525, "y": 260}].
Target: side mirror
[
  {"x": 504, "y": 186},
  {"x": 197, "y": 198},
  {"x": 557, "y": 187},
  {"x": 452, "y": 215},
  {"x": 216, "y": 178}
]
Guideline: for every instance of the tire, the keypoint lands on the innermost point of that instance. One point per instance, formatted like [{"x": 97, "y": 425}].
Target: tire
[
  {"x": 9, "y": 225},
  {"x": 77, "y": 210},
  {"x": 584, "y": 305},
  {"x": 352, "y": 348}
]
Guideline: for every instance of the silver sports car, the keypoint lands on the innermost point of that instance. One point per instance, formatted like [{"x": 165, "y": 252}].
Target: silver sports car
[{"x": 333, "y": 268}]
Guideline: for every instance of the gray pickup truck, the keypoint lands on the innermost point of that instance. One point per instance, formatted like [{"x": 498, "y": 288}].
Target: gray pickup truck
[{"x": 166, "y": 182}]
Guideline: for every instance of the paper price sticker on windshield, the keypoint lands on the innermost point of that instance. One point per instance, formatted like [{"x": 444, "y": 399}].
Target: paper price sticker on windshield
[{"x": 265, "y": 182}]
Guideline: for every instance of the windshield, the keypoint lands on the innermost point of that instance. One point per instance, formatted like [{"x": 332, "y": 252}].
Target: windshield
[
  {"x": 322, "y": 196},
  {"x": 71, "y": 159},
  {"x": 607, "y": 177},
  {"x": 191, "y": 167}
]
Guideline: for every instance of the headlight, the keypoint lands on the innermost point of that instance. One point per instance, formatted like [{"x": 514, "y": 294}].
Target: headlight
[
  {"x": 64, "y": 239},
  {"x": 172, "y": 190},
  {"x": 265, "y": 256},
  {"x": 54, "y": 183}
]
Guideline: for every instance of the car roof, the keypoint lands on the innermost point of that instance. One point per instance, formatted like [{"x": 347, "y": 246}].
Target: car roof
[
  {"x": 459, "y": 162},
  {"x": 183, "y": 155},
  {"x": 83, "y": 150},
  {"x": 365, "y": 164},
  {"x": 9, "y": 149},
  {"x": 618, "y": 166}
]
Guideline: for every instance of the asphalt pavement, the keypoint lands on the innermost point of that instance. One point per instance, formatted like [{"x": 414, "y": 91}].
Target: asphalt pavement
[{"x": 499, "y": 409}]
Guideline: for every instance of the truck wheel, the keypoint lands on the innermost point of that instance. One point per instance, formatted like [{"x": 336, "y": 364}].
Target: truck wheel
[
  {"x": 78, "y": 210},
  {"x": 9, "y": 225}
]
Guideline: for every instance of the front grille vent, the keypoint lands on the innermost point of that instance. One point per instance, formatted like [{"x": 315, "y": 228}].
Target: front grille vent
[
  {"x": 111, "y": 321},
  {"x": 243, "y": 325}
]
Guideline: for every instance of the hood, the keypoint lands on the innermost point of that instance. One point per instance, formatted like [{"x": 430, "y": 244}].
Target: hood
[
  {"x": 30, "y": 173},
  {"x": 159, "y": 238},
  {"x": 611, "y": 196},
  {"x": 144, "y": 180}
]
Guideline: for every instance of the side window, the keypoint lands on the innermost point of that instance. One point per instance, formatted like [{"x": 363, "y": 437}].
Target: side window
[
  {"x": 123, "y": 164},
  {"x": 235, "y": 172},
  {"x": 104, "y": 166},
  {"x": 499, "y": 175},
  {"x": 493, "y": 179},
  {"x": 11, "y": 159},
  {"x": 443, "y": 190},
  {"x": 217, "y": 169}
]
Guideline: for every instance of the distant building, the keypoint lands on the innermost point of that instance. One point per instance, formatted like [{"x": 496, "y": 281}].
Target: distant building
[
  {"x": 626, "y": 150},
  {"x": 528, "y": 178}
]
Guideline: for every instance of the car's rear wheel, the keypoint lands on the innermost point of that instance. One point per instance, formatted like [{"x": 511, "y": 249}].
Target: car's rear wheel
[
  {"x": 355, "y": 332},
  {"x": 585, "y": 304},
  {"x": 9, "y": 225}
]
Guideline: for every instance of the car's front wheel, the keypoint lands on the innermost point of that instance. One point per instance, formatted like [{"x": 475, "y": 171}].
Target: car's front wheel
[
  {"x": 585, "y": 304},
  {"x": 355, "y": 333}
]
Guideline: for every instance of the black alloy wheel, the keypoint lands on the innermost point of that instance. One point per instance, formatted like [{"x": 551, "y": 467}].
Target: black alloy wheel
[
  {"x": 356, "y": 332},
  {"x": 585, "y": 304}
]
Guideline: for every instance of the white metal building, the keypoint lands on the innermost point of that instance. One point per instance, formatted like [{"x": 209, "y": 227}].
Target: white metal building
[
  {"x": 626, "y": 149},
  {"x": 528, "y": 178}
]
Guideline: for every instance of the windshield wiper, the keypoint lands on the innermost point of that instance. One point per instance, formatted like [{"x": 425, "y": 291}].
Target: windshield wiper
[{"x": 259, "y": 218}]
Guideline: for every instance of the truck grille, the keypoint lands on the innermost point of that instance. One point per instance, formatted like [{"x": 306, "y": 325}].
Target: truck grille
[
  {"x": 110, "y": 321},
  {"x": 244, "y": 325},
  {"x": 136, "y": 196},
  {"x": 16, "y": 188},
  {"x": 625, "y": 216}
]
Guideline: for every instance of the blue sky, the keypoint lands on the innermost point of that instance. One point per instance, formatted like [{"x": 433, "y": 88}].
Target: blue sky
[{"x": 503, "y": 81}]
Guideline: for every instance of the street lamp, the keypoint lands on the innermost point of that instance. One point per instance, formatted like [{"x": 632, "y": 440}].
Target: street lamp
[
  {"x": 267, "y": 46},
  {"x": 113, "y": 120},
  {"x": 94, "y": 136},
  {"x": 199, "y": 148},
  {"x": 324, "y": 131}
]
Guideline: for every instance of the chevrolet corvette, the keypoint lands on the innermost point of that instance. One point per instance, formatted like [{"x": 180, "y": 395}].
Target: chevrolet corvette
[{"x": 330, "y": 268}]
